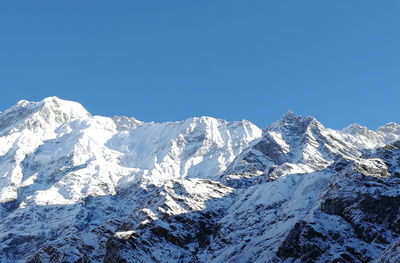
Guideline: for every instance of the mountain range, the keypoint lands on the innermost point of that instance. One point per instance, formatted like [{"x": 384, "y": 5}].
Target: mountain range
[{"x": 81, "y": 188}]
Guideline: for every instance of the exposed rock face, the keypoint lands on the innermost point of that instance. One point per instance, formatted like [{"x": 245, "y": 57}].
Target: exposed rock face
[{"x": 82, "y": 188}]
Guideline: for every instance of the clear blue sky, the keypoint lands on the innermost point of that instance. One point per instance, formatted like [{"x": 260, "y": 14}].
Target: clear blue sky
[{"x": 169, "y": 60}]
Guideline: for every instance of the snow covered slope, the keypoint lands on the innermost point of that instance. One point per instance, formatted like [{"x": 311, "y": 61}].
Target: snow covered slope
[{"x": 81, "y": 188}]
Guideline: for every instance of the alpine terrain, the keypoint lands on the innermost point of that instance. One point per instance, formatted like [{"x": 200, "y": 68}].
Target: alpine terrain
[{"x": 81, "y": 188}]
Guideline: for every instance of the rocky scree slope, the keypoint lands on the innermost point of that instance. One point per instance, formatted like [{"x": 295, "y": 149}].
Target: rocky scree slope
[{"x": 81, "y": 188}]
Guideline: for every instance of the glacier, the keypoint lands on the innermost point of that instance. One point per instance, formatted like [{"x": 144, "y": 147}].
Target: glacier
[{"x": 81, "y": 188}]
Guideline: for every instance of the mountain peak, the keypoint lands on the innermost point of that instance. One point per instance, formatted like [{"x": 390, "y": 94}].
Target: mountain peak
[
  {"x": 390, "y": 127},
  {"x": 293, "y": 122},
  {"x": 290, "y": 115},
  {"x": 51, "y": 110},
  {"x": 69, "y": 109},
  {"x": 355, "y": 129},
  {"x": 52, "y": 99}
]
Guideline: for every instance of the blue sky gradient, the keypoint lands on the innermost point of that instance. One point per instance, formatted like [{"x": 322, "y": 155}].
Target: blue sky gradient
[{"x": 338, "y": 61}]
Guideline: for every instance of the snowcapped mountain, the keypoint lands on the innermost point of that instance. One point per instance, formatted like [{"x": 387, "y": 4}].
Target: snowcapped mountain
[{"x": 81, "y": 188}]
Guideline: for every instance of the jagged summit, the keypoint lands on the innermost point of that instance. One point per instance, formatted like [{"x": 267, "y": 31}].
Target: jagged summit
[
  {"x": 289, "y": 116},
  {"x": 81, "y": 188},
  {"x": 291, "y": 121}
]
